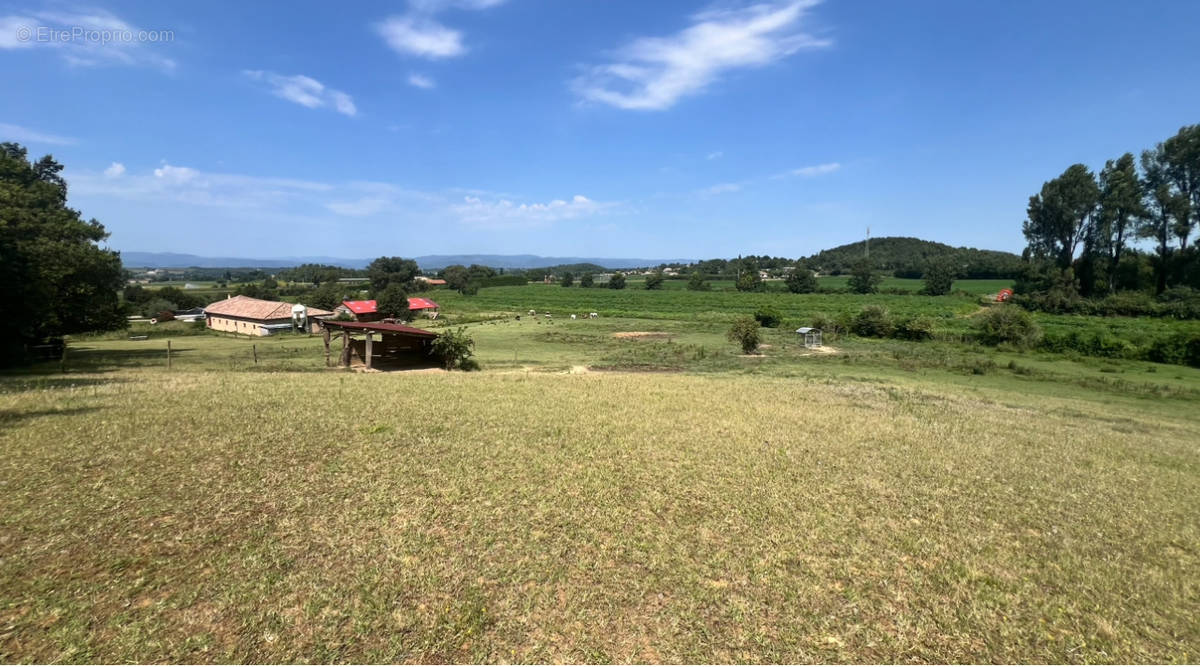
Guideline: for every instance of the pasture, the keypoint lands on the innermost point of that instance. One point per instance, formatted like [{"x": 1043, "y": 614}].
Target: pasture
[{"x": 625, "y": 489}]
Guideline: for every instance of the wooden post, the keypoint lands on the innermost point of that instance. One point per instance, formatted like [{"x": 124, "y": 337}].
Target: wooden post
[
  {"x": 326, "y": 336},
  {"x": 168, "y": 353},
  {"x": 368, "y": 359},
  {"x": 254, "y": 349},
  {"x": 62, "y": 363},
  {"x": 345, "y": 348}
]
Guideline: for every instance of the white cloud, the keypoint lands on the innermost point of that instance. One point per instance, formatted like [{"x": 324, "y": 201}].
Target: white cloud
[
  {"x": 23, "y": 134},
  {"x": 177, "y": 184},
  {"x": 421, "y": 36},
  {"x": 90, "y": 38},
  {"x": 810, "y": 171},
  {"x": 417, "y": 33},
  {"x": 715, "y": 155},
  {"x": 303, "y": 90},
  {"x": 115, "y": 170},
  {"x": 421, "y": 81},
  {"x": 504, "y": 213},
  {"x": 653, "y": 73},
  {"x": 721, "y": 188}
]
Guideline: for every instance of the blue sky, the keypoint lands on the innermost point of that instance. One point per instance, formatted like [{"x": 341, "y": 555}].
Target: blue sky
[{"x": 584, "y": 127}]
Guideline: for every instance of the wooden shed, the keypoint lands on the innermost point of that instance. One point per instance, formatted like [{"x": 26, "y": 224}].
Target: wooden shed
[{"x": 381, "y": 345}]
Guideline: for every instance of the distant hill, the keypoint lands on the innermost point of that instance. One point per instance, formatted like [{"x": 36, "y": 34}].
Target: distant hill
[
  {"x": 906, "y": 257},
  {"x": 170, "y": 260}
]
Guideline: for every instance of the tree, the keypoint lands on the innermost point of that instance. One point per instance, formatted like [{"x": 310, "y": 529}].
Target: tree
[
  {"x": 384, "y": 272},
  {"x": 768, "y": 316},
  {"x": 617, "y": 281},
  {"x": 939, "y": 277},
  {"x": 256, "y": 291},
  {"x": 745, "y": 332},
  {"x": 1182, "y": 156},
  {"x": 697, "y": 283},
  {"x": 1059, "y": 215},
  {"x": 568, "y": 279},
  {"x": 328, "y": 296},
  {"x": 873, "y": 322},
  {"x": 863, "y": 279},
  {"x": 801, "y": 281},
  {"x": 1164, "y": 207},
  {"x": 655, "y": 280},
  {"x": 58, "y": 279},
  {"x": 456, "y": 276},
  {"x": 749, "y": 281},
  {"x": 1120, "y": 209},
  {"x": 587, "y": 280},
  {"x": 393, "y": 302},
  {"x": 270, "y": 283}
]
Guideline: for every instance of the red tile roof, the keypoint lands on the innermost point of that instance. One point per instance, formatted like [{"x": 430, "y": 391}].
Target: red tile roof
[
  {"x": 257, "y": 309},
  {"x": 417, "y": 303},
  {"x": 368, "y": 307}
]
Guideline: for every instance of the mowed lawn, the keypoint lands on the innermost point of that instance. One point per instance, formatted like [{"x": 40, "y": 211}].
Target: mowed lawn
[{"x": 198, "y": 515}]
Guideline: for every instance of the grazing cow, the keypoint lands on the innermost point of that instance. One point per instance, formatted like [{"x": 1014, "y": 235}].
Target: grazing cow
[
  {"x": 518, "y": 318},
  {"x": 548, "y": 316},
  {"x": 593, "y": 315},
  {"x": 533, "y": 312},
  {"x": 572, "y": 315}
]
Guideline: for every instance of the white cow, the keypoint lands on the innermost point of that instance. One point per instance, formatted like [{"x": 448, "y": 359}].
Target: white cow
[
  {"x": 593, "y": 315},
  {"x": 572, "y": 315},
  {"x": 532, "y": 312}
]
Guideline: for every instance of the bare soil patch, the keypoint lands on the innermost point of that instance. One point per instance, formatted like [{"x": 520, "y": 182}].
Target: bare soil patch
[{"x": 642, "y": 335}]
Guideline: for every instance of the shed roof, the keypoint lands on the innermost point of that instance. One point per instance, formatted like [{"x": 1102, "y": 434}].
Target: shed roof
[
  {"x": 382, "y": 327},
  {"x": 804, "y": 330},
  {"x": 257, "y": 309},
  {"x": 417, "y": 303}
]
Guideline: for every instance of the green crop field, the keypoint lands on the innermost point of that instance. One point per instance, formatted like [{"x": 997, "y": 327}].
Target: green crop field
[{"x": 625, "y": 489}]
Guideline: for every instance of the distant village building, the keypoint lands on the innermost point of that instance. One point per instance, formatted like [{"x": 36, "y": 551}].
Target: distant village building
[
  {"x": 431, "y": 282},
  {"x": 257, "y": 317}
]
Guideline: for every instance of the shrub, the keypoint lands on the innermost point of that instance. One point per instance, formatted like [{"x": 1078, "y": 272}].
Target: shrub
[
  {"x": 1007, "y": 324},
  {"x": 768, "y": 316},
  {"x": 801, "y": 281},
  {"x": 568, "y": 279},
  {"x": 863, "y": 279},
  {"x": 916, "y": 328},
  {"x": 749, "y": 281},
  {"x": 745, "y": 332},
  {"x": 617, "y": 281},
  {"x": 873, "y": 322},
  {"x": 697, "y": 283},
  {"x": 655, "y": 280},
  {"x": 587, "y": 280},
  {"x": 1183, "y": 348},
  {"x": 939, "y": 277},
  {"x": 454, "y": 349}
]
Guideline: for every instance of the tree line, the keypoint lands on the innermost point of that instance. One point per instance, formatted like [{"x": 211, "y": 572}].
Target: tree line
[{"x": 1083, "y": 228}]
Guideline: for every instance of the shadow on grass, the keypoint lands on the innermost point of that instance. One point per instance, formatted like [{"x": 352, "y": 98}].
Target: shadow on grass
[
  {"x": 12, "y": 417},
  {"x": 48, "y": 378}
]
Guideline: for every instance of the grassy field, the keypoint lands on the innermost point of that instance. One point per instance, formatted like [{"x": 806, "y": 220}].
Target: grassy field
[{"x": 642, "y": 497}]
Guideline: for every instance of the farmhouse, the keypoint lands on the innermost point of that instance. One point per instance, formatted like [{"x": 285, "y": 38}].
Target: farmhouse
[
  {"x": 257, "y": 317},
  {"x": 366, "y": 311}
]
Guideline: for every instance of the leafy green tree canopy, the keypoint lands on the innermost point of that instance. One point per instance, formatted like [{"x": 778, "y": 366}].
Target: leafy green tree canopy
[
  {"x": 863, "y": 279},
  {"x": 655, "y": 280},
  {"x": 386, "y": 271},
  {"x": 617, "y": 281},
  {"x": 393, "y": 302},
  {"x": 801, "y": 281},
  {"x": 60, "y": 281}
]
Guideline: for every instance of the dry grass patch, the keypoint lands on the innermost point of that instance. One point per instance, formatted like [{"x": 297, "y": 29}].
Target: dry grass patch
[{"x": 283, "y": 517}]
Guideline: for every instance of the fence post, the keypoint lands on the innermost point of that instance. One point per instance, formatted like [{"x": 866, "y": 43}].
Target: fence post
[
  {"x": 168, "y": 353},
  {"x": 254, "y": 349}
]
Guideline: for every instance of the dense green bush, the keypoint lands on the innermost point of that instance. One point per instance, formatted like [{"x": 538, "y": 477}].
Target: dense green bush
[
  {"x": 1182, "y": 348},
  {"x": 745, "y": 332},
  {"x": 454, "y": 349},
  {"x": 873, "y": 322},
  {"x": 801, "y": 281},
  {"x": 1007, "y": 324},
  {"x": 768, "y": 316},
  {"x": 916, "y": 328}
]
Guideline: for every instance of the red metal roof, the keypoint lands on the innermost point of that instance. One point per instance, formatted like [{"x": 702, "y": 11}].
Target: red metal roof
[
  {"x": 381, "y": 327},
  {"x": 367, "y": 307},
  {"x": 417, "y": 303},
  {"x": 360, "y": 307}
]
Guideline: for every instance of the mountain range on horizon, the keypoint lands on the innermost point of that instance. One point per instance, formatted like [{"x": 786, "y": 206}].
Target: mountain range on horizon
[{"x": 171, "y": 260}]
